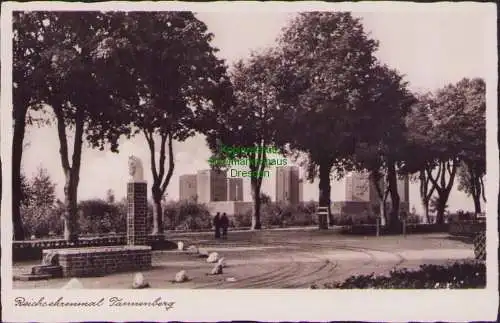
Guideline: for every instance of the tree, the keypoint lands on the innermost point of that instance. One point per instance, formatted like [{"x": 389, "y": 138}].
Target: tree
[
  {"x": 245, "y": 130},
  {"x": 27, "y": 77},
  {"x": 38, "y": 203},
  {"x": 449, "y": 129},
  {"x": 172, "y": 72},
  {"x": 471, "y": 183},
  {"x": 79, "y": 85},
  {"x": 473, "y": 132},
  {"x": 26, "y": 195},
  {"x": 382, "y": 145},
  {"x": 328, "y": 57},
  {"x": 42, "y": 189},
  {"x": 419, "y": 125}
]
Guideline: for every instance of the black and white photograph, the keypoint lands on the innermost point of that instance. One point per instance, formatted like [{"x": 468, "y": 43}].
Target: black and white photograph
[{"x": 337, "y": 151}]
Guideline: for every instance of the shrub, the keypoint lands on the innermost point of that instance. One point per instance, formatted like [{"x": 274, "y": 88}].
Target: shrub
[
  {"x": 469, "y": 274},
  {"x": 461, "y": 216},
  {"x": 243, "y": 220},
  {"x": 186, "y": 215},
  {"x": 354, "y": 219},
  {"x": 284, "y": 214},
  {"x": 40, "y": 221},
  {"x": 100, "y": 217},
  {"x": 413, "y": 219},
  {"x": 276, "y": 214},
  {"x": 303, "y": 219},
  {"x": 306, "y": 214}
]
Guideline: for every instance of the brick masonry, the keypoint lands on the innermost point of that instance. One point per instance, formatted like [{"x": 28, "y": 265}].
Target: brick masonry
[
  {"x": 136, "y": 213},
  {"x": 99, "y": 261}
]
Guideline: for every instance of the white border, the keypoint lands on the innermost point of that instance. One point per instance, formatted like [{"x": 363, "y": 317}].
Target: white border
[{"x": 268, "y": 305}]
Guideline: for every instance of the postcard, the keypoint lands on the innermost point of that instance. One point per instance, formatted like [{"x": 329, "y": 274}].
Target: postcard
[{"x": 261, "y": 161}]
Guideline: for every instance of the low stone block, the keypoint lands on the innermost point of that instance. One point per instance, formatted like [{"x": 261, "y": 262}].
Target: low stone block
[
  {"x": 213, "y": 257},
  {"x": 53, "y": 271},
  {"x": 222, "y": 262},
  {"x": 99, "y": 261},
  {"x": 192, "y": 249},
  {"x": 73, "y": 284},
  {"x": 202, "y": 252},
  {"x": 31, "y": 277},
  {"x": 181, "y": 277},
  {"x": 217, "y": 270},
  {"x": 139, "y": 281}
]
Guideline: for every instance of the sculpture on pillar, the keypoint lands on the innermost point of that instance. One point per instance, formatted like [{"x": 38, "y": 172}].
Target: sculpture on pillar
[
  {"x": 135, "y": 169},
  {"x": 137, "y": 201}
]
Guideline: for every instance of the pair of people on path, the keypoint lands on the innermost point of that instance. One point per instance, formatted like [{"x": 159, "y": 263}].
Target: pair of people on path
[{"x": 221, "y": 223}]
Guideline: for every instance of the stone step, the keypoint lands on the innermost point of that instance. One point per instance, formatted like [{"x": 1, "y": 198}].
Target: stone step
[
  {"x": 30, "y": 277},
  {"x": 52, "y": 270}
]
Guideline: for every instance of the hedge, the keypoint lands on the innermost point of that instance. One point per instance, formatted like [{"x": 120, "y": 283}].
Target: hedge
[{"x": 468, "y": 274}]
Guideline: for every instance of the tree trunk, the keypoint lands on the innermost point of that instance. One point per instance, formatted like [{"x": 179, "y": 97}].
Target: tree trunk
[
  {"x": 426, "y": 192},
  {"x": 72, "y": 172},
  {"x": 384, "y": 208},
  {"x": 394, "y": 223},
  {"x": 71, "y": 207},
  {"x": 442, "y": 187},
  {"x": 257, "y": 164},
  {"x": 441, "y": 208},
  {"x": 157, "y": 210},
  {"x": 324, "y": 191},
  {"x": 375, "y": 178},
  {"x": 425, "y": 205},
  {"x": 256, "y": 223},
  {"x": 160, "y": 179},
  {"x": 476, "y": 186},
  {"x": 17, "y": 153},
  {"x": 477, "y": 204}
]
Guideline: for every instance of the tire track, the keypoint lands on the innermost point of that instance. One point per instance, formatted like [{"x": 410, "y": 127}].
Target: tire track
[
  {"x": 306, "y": 279},
  {"x": 281, "y": 270},
  {"x": 303, "y": 273},
  {"x": 292, "y": 270}
]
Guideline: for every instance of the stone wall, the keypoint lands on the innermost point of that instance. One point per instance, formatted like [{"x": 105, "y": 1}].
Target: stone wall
[{"x": 98, "y": 261}]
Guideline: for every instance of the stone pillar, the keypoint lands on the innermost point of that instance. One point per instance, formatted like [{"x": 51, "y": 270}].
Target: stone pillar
[{"x": 136, "y": 213}]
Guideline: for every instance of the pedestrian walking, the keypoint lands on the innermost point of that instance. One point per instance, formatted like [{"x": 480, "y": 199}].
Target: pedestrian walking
[
  {"x": 224, "y": 221},
  {"x": 217, "y": 225}
]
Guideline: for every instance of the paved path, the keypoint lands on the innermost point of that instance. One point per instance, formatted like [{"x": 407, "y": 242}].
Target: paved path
[{"x": 276, "y": 260}]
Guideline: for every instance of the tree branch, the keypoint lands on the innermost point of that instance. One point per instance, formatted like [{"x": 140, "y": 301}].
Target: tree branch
[
  {"x": 374, "y": 175},
  {"x": 151, "y": 144},
  {"x": 162, "y": 155},
  {"x": 434, "y": 181},
  {"x": 252, "y": 162},
  {"x": 261, "y": 169},
  {"x": 443, "y": 174},
  {"x": 171, "y": 164},
  {"x": 482, "y": 189},
  {"x": 453, "y": 172},
  {"x": 63, "y": 139},
  {"x": 78, "y": 142},
  {"x": 386, "y": 193}
]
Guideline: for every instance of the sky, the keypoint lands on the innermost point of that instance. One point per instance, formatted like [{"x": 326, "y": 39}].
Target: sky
[{"x": 431, "y": 48}]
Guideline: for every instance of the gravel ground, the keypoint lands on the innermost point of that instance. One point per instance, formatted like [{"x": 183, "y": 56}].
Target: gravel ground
[{"x": 279, "y": 259}]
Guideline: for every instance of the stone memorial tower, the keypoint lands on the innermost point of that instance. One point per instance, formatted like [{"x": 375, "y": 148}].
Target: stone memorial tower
[{"x": 137, "y": 203}]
